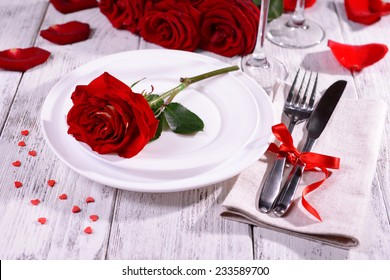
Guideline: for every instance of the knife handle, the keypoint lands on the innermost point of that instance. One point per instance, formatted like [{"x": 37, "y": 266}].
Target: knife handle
[
  {"x": 271, "y": 185},
  {"x": 286, "y": 195}
]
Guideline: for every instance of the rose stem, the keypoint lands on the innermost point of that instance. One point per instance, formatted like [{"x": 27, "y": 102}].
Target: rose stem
[{"x": 185, "y": 82}]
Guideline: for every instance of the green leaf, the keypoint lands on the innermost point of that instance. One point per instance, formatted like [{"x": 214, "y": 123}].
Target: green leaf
[
  {"x": 257, "y": 2},
  {"x": 161, "y": 125},
  {"x": 181, "y": 120},
  {"x": 154, "y": 101},
  {"x": 275, "y": 9}
]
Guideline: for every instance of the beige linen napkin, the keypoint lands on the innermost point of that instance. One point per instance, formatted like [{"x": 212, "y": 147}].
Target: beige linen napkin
[{"x": 353, "y": 134}]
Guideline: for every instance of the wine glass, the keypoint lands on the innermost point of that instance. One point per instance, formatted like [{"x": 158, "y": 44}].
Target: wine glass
[
  {"x": 261, "y": 67},
  {"x": 294, "y": 31}
]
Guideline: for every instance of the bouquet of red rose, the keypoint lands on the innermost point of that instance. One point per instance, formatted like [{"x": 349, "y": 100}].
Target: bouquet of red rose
[{"x": 225, "y": 27}]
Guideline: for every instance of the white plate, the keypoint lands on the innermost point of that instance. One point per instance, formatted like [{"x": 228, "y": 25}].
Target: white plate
[{"x": 236, "y": 111}]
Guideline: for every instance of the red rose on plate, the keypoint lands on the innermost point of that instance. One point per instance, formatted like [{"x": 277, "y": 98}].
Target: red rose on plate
[
  {"x": 109, "y": 117},
  {"x": 123, "y": 14},
  {"x": 171, "y": 24},
  {"x": 228, "y": 28}
]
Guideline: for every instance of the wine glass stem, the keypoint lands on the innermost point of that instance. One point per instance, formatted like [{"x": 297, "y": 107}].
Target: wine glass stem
[
  {"x": 298, "y": 17},
  {"x": 258, "y": 54}
]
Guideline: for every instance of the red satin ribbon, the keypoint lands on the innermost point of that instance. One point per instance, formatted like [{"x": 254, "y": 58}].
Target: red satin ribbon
[{"x": 312, "y": 162}]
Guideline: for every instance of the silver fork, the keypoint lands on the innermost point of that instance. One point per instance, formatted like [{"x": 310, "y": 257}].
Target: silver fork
[{"x": 297, "y": 110}]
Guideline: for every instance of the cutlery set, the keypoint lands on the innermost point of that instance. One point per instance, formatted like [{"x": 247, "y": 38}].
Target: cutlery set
[{"x": 279, "y": 199}]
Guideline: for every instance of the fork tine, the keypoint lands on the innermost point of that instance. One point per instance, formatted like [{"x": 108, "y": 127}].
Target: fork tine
[
  {"x": 297, "y": 97},
  {"x": 291, "y": 92},
  {"x": 312, "y": 97},
  {"x": 303, "y": 100}
]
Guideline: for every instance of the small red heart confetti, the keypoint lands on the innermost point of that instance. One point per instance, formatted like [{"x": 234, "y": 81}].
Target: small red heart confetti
[
  {"x": 51, "y": 183},
  {"x": 63, "y": 196},
  {"x": 89, "y": 199},
  {"x": 35, "y": 201},
  {"x": 22, "y": 144},
  {"x": 94, "y": 218},
  {"x": 76, "y": 209},
  {"x": 42, "y": 220},
  {"x": 32, "y": 153},
  {"x": 88, "y": 230},
  {"x": 24, "y": 132},
  {"x": 18, "y": 184},
  {"x": 16, "y": 163}
]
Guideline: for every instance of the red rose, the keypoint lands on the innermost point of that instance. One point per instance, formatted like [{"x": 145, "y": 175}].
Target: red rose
[
  {"x": 123, "y": 14},
  {"x": 109, "y": 117},
  {"x": 229, "y": 27},
  {"x": 172, "y": 24}
]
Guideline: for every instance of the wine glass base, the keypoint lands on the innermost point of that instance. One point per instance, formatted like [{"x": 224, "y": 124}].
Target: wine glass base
[
  {"x": 265, "y": 74},
  {"x": 283, "y": 32}
]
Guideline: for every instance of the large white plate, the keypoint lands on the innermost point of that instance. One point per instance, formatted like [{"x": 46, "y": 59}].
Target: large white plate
[{"x": 236, "y": 111}]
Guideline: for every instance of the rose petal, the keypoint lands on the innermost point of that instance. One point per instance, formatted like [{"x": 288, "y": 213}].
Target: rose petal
[
  {"x": 67, "y": 33},
  {"x": 22, "y": 59},
  {"x": 63, "y": 196},
  {"x": 89, "y": 199},
  {"x": 94, "y": 218},
  {"x": 22, "y": 144},
  {"x": 16, "y": 163},
  {"x": 24, "y": 132},
  {"x": 18, "y": 184},
  {"x": 289, "y": 5},
  {"x": 70, "y": 6},
  {"x": 355, "y": 58},
  {"x": 76, "y": 209},
  {"x": 35, "y": 201},
  {"x": 51, "y": 183},
  {"x": 32, "y": 153},
  {"x": 42, "y": 220},
  {"x": 88, "y": 230},
  {"x": 359, "y": 11},
  {"x": 379, "y": 6}
]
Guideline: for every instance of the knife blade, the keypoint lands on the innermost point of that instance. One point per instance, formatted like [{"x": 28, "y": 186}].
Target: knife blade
[{"x": 315, "y": 126}]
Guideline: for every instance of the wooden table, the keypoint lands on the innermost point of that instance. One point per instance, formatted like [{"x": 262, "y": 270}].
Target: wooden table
[{"x": 132, "y": 225}]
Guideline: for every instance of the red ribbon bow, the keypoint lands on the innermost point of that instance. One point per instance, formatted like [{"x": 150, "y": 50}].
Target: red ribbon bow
[{"x": 312, "y": 161}]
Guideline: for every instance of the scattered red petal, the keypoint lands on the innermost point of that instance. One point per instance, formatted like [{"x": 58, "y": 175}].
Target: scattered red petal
[
  {"x": 67, "y": 33},
  {"x": 24, "y": 132},
  {"x": 51, "y": 183},
  {"x": 63, "y": 196},
  {"x": 18, "y": 184},
  {"x": 70, "y": 6},
  {"x": 88, "y": 230},
  {"x": 94, "y": 218},
  {"x": 355, "y": 58},
  {"x": 32, "y": 153},
  {"x": 89, "y": 199},
  {"x": 35, "y": 201},
  {"x": 359, "y": 11},
  {"x": 289, "y": 5},
  {"x": 76, "y": 209},
  {"x": 42, "y": 220},
  {"x": 16, "y": 163},
  {"x": 22, "y": 144},
  {"x": 379, "y": 6},
  {"x": 22, "y": 59}
]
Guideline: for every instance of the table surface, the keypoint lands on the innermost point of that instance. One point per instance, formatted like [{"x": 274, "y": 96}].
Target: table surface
[{"x": 134, "y": 225}]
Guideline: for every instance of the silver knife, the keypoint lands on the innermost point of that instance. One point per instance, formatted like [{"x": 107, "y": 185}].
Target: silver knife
[{"x": 315, "y": 125}]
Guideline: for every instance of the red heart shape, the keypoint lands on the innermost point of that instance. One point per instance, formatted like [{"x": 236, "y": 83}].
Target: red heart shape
[
  {"x": 63, "y": 196},
  {"x": 32, "y": 153},
  {"x": 51, "y": 183},
  {"x": 24, "y": 132},
  {"x": 354, "y": 57},
  {"x": 76, "y": 209},
  {"x": 89, "y": 199},
  {"x": 16, "y": 163},
  {"x": 22, "y": 144},
  {"x": 18, "y": 184},
  {"x": 35, "y": 201},
  {"x": 42, "y": 220},
  {"x": 94, "y": 218},
  {"x": 88, "y": 230}
]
